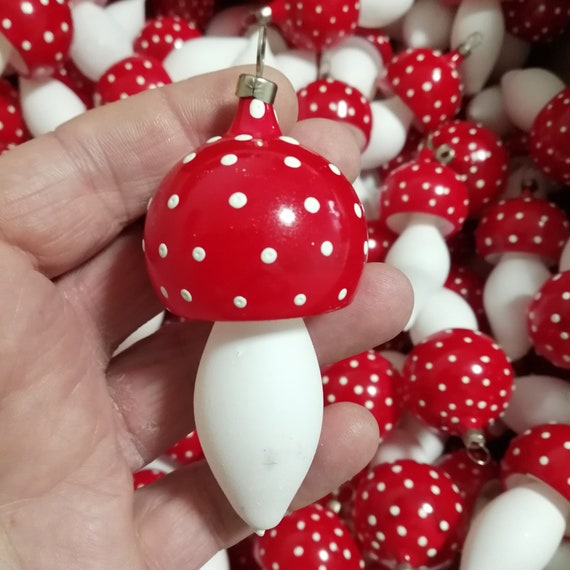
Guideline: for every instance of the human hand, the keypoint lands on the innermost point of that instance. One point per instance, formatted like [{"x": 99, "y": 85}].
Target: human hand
[{"x": 76, "y": 422}]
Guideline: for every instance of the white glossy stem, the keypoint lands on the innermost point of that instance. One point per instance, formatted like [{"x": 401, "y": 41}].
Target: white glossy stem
[
  {"x": 98, "y": 40},
  {"x": 484, "y": 17},
  {"x": 202, "y": 55},
  {"x": 561, "y": 558},
  {"x": 375, "y": 14},
  {"x": 412, "y": 439},
  {"x": 564, "y": 264},
  {"x": 509, "y": 288},
  {"x": 488, "y": 109},
  {"x": 422, "y": 255},
  {"x": 391, "y": 121},
  {"x": 144, "y": 331},
  {"x": 130, "y": 15},
  {"x": 536, "y": 400},
  {"x": 356, "y": 62},
  {"x": 526, "y": 92},
  {"x": 258, "y": 406},
  {"x": 428, "y": 25},
  {"x": 47, "y": 104},
  {"x": 522, "y": 528},
  {"x": 444, "y": 309},
  {"x": 299, "y": 66}
]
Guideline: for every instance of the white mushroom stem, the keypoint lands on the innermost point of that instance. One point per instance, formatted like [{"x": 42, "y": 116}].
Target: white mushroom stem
[
  {"x": 5, "y": 52},
  {"x": 299, "y": 66},
  {"x": 444, "y": 309},
  {"x": 421, "y": 254},
  {"x": 428, "y": 24},
  {"x": 483, "y": 17},
  {"x": 202, "y": 55},
  {"x": 412, "y": 439},
  {"x": 561, "y": 559},
  {"x": 487, "y": 108},
  {"x": 391, "y": 121},
  {"x": 130, "y": 15},
  {"x": 564, "y": 264},
  {"x": 357, "y": 63},
  {"x": 523, "y": 527},
  {"x": 537, "y": 400},
  {"x": 220, "y": 561},
  {"x": 47, "y": 104},
  {"x": 509, "y": 288},
  {"x": 526, "y": 92},
  {"x": 375, "y": 14},
  {"x": 258, "y": 405}
]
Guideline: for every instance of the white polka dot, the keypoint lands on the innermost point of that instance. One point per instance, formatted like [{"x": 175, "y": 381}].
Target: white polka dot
[
  {"x": 422, "y": 541},
  {"x": 394, "y": 510},
  {"x": 27, "y": 7},
  {"x": 6, "y": 23},
  {"x": 298, "y": 550},
  {"x": 214, "y": 139},
  {"x": 257, "y": 108},
  {"x": 162, "y": 250},
  {"x": 26, "y": 45},
  {"x": 543, "y": 460},
  {"x": 268, "y": 255},
  {"x": 185, "y": 294},
  {"x": 237, "y": 200},
  {"x": 289, "y": 140},
  {"x": 164, "y": 292},
  {"x": 401, "y": 530},
  {"x": 292, "y": 162},
  {"x": 326, "y": 248},
  {"x": 228, "y": 159},
  {"x": 199, "y": 254},
  {"x": 189, "y": 158},
  {"x": 300, "y": 299},
  {"x": 240, "y": 302},
  {"x": 48, "y": 37},
  {"x": 372, "y": 520},
  {"x": 312, "y": 205},
  {"x": 358, "y": 210},
  {"x": 431, "y": 552},
  {"x": 334, "y": 169},
  {"x": 173, "y": 201},
  {"x": 243, "y": 137},
  {"x": 342, "y": 294}
]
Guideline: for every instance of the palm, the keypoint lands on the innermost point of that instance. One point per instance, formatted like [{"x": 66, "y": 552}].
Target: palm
[{"x": 75, "y": 422}]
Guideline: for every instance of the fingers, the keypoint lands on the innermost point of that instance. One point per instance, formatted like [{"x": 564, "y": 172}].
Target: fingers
[
  {"x": 69, "y": 193},
  {"x": 189, "y": 502},
  {"x": 153, "y": 382}
]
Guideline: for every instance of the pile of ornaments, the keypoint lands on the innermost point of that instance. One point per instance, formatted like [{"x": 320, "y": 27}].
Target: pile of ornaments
[{"x": 464, "y": 125}]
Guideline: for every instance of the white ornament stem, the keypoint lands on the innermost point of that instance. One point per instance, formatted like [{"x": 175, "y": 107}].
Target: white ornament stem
[
  {"x": 484, "y": 17},
  {"x": 391, "y": 121},
  {"x": 522, "y": 528},
  {"x": 428, "y": 25},
  {"x": 98, "y": 40},
  {"x": 444, "y": 309},
  {"x": 422, "y": 255},
  {"x": 220, "y": 561},
  {"x": 5, "y": 52},
  {"x": 564, "y": 264},
  {"x": 258, "y": 405},
  {"x": 526, "y": 92},
  {"x": 299, "y": 66},
  {"x": 357, "y": 63},
  {"x": 561, "y": 559},
  {"x": 537, "y": 400},
  {"x": 130, "y": 15},
  {"x": 202, "y": 55},
  {"x": 487, "y": 108},
  {"x": 47, "y": 104},
  {"x": 509, "y": 288},
  {"x": 375, "y": 14}
]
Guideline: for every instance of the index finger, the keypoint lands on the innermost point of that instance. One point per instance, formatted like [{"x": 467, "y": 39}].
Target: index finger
[{"x": 64, "y": 196}]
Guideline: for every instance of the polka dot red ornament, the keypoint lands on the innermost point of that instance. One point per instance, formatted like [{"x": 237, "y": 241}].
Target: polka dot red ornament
[{"x": 256, "y": 232}]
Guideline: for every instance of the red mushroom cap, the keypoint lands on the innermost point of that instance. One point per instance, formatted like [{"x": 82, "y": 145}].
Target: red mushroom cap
[
  {"x": 186, "y": 451},
  {"x": 197, "y": 12},
  {"x": 163, "y": 34},
  {"x": 536, "y": 20},
  {"x": 13, "y": 129},
  {"x": 549, "y": 320},
  {"x": 457, "y": 380},
  {"x": 40, "y": 33},
  {"x": 379, "y": 39},
  {"x": 424, "y": 186},
  {"x": 367, "y": 379},
  {"x": 550, "y": 138},
  {"x": 380, "y": 240},
  {"x": 469, "y": 284},
  {"x": 525, "y": 224},
  {"x": 128, "y": 77},
  {"x": 542, "y": 452},
  {"x": 478, "y": 156},
  {"x": 253, "y": 227},
  {"x": 335, "y": 100},
  {"x": 72, "y": 77},
  {"x": 428, "y": 83}
]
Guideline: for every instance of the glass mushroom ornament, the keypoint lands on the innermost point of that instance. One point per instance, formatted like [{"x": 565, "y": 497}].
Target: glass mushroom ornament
[{"x": 255, "y": 232}]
